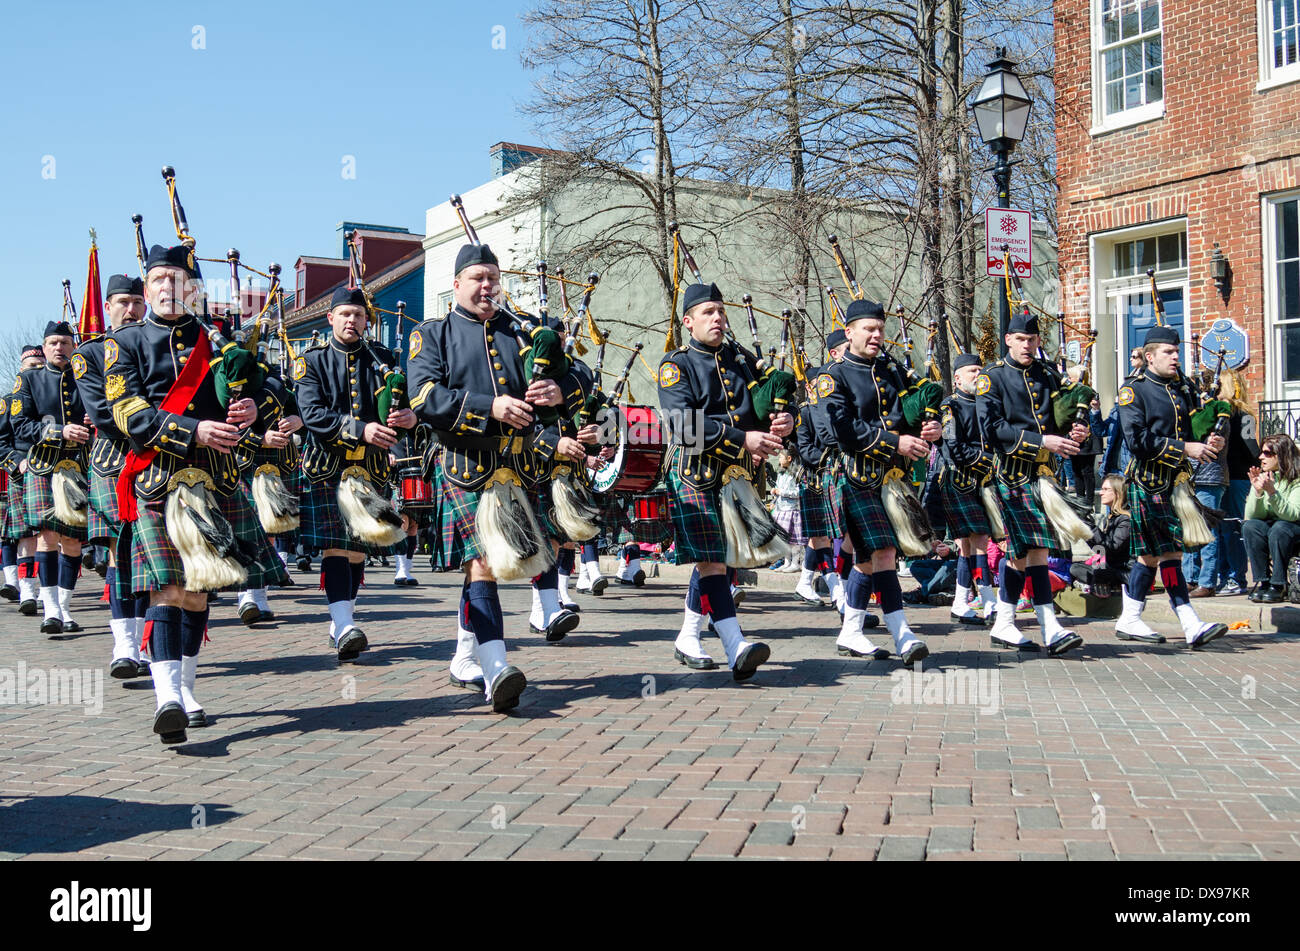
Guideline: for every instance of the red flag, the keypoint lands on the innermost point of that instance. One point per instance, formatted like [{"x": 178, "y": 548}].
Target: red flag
[{"x": 92, "y": 304}]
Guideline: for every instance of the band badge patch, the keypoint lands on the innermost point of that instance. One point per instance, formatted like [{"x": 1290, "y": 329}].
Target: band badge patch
[
  {"x": 78, "y": 365},
  {"x": 947, "y": 416},
  {"x": 982, "y": 384},
  {"x": 18, "y": 385},
  {"x": 825, "y": 385},
  {"x": 300, "y": 368},
  {"x": 114, "y": 386},
  {"x": 15, "y": 407},
  {"x": 669, "y": 374},
  {"x": 1126, "y": 396},
  {"x": 417, "y": 341},
  {"x": 110, "y": 353}
]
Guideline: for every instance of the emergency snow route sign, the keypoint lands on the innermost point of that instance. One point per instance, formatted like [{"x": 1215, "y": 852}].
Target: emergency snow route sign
[{"x": 1013, "y": 228}]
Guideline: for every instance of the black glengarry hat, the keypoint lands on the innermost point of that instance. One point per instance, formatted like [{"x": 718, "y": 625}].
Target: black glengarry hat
[
  {"x": 836, "y": 338},
  {"x": 700, "y": 294},
  {"x": 966, "y": 360},
  {"x": 1023, "y": 323},
  {"x": 124, "y": 284},
  {"x": 347, "y": 295},
  {"x": 1162, "y": 335},
  {"x": 179, "y": 256},
  {"x": 863, "y": 308},
  {"x": 471, "y": 254},
  {"x": 58, "y": 328}
]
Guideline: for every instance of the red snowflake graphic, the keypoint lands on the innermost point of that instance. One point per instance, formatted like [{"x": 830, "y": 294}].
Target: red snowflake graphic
[{"x": 1008, "y": 224}]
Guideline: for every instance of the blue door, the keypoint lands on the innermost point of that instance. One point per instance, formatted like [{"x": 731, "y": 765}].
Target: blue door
[{"x": 1139, "y": 317}]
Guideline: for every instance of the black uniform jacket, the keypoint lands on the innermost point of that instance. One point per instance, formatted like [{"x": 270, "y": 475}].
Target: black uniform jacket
[
  {"x": 862, "y": 399},
  {"x": 962, "y": 448},
  {"x": 1014, "y": 406},
  {"x": 704, "y": 394},
  {"x": 141, "y": 364},
  {"x": 338, "y": 389},
  {"x": 457, "y": 365},
  {"x": 1155, "y": 417},
  {"x": 108, "y": 451},
  {"x": 46, "y": 401}
]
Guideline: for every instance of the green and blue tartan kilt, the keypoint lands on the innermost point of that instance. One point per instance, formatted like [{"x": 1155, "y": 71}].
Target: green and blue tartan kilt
[
  {"x": 156, "y": 562},
  {"x": 697, "y": 521},
  {"x": 460, "y": 506},
  {"x": 964, "y": 512},
  {"x": 614, "y": 520},
  {"x": 1154, "y": 526},
  {"x": 13, "y": 527},
  {"x": 322, "y": 524},
  {"x": 540, "y": 496},
  {"x": 1026, "y": 522},
  {"x": 102, "y": 521},
  {"x": 815, "y": 510},
  {"x": 831, "y": 492},
  {"x": 863, "y": 520},
  {"x": 38, "y": 499}
]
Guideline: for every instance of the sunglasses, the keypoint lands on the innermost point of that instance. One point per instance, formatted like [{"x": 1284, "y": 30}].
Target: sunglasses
[{"x": 1266, "y": 452}]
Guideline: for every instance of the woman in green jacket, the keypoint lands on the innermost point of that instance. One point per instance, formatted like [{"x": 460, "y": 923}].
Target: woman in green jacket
[{"x": 1272, "y": 526}]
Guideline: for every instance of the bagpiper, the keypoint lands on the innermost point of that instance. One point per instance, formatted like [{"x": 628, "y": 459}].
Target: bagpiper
[
  {"x": 704, "y": 390},
  {"x": 125, "y": 305},
  {"x": 1155, "y": 415},
  {"x": 967, "y": 468},
  {"x": 1013, "y": 403},
  {"x": 194, "y": 531},
  {"x": 48, "y": 414},
  {"x": 18, "y": 542},
  {"x": 467, "y": 380},
  {"x": 347, "y": 510},
  {"x": 863, "y": 400}
]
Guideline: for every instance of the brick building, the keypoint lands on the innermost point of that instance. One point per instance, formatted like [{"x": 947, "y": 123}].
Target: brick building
[{"x": 1178, "y": 127}]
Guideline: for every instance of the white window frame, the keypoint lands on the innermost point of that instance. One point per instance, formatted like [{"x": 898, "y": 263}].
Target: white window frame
[
  {"x": 1270, "y": 76},
  {"x": 1105, "y": 292},
  {"x": 1272, "y": 368},
  {"x": 1102, "y": 123},
  {"x": 445, "y": 299}
]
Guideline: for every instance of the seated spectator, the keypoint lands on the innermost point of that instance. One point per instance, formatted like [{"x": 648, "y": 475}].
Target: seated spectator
[
  {"x": 1109, "y": 564},
  {"x": 1272, "y": 525},
  {"x": 936, "y": 573}
]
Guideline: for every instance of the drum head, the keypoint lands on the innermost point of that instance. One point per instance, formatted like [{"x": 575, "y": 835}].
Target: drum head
[{"x": 607, "y": 471}]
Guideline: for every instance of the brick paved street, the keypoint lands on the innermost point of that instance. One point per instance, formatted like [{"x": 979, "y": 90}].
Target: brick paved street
[{"x": 1125, "y": 751}]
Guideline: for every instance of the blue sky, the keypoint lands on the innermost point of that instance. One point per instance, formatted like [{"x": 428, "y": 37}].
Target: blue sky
[{"x": 257, "y": 125}]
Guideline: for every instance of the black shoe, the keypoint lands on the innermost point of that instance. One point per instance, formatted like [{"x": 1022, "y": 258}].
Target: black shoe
[
  {"x": 573, "y": 606},
  {"x": 304, "y": 563},
  {"x": 267, "y": 615},
  {"x": 804, "y": 599},
  {"x": 599, "y": 585},
  {"x": 28, "y": 608},
  {"x": 974, "y": 619},
  {"x": 749, "y": 660},
  {"x": 197, "y": 718},
  {"x": 870, "y": 620},
  {"x": 917, "y": 652},
  {"x": 739, "y": 597},
  {"x": 1273, "y": 594},
  {"x": 1256, "y": 592},
  {"x": 475, "y": 684},
  {"x": 142, "y": 669},
  {"x": 88, "y": 559},
  {"x": 1144, "y": 638},
  {"x": 52, "y": 625},
  {"x": 250, "y": 613},
  {"x": 8, "y": 592},
  {"x": 1029, "y": 647},
  {"x": 510, "y": 683},
  {"x": 101, "y": 568},
  {"x": 695, "y": 663},
  {"x": 879, "y": 653},
  {"x": 71, "y": 627},
  {"x": 170, "y": 722},
  {"x": 1210, "y": 633},
  {"x": 638, "y": 579},
  {"x": 560, "y": 625},
  {"x": 351, "y": 644},
  {"x": 1061, "y": 645},
  {"x": 122, "y": 669}
]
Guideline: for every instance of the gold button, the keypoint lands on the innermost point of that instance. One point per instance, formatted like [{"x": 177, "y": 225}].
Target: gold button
[
  {"x": 183, "y": 359},
  {"x": 526, "y": 467},
  {"x": 191, "y": 406},
  {"x": 501, "y": 379},
  {"x": 478, "y": 468},
  {"x": 171, "y": 425},
  {"x": 354, "y": 392},
  {"x": 453, "y": 470},
  {"x": 496, "y": 366},
  {"x": 162, "y": 438},
  {"x": 686, "y": 472},
  {"x": 180, "y": 346},
  {"x": 492, "y": 352}
]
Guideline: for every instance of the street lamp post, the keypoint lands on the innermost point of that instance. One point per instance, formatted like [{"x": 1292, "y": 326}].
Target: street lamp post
[{"x": 1002, "y": 111}]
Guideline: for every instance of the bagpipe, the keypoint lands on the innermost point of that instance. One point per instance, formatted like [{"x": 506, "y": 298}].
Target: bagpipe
[
  {"x": 920, "y": 401},
  {"x": 68, "y": 483},
  {"x": 754, "y": 539}
]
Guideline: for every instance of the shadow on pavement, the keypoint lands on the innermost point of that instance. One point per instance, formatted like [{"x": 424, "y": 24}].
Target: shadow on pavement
[{"x": 74, "y": 823}]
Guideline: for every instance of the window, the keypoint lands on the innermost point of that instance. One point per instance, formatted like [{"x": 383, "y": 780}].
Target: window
[
  {"x": 1282, "y": 294},
  {"x": 1279, "y": 42},
  {"x": 1128, "y": 67},
  {"x": 444, "y": 302},
  {"x": 1121, "y": 293}
]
